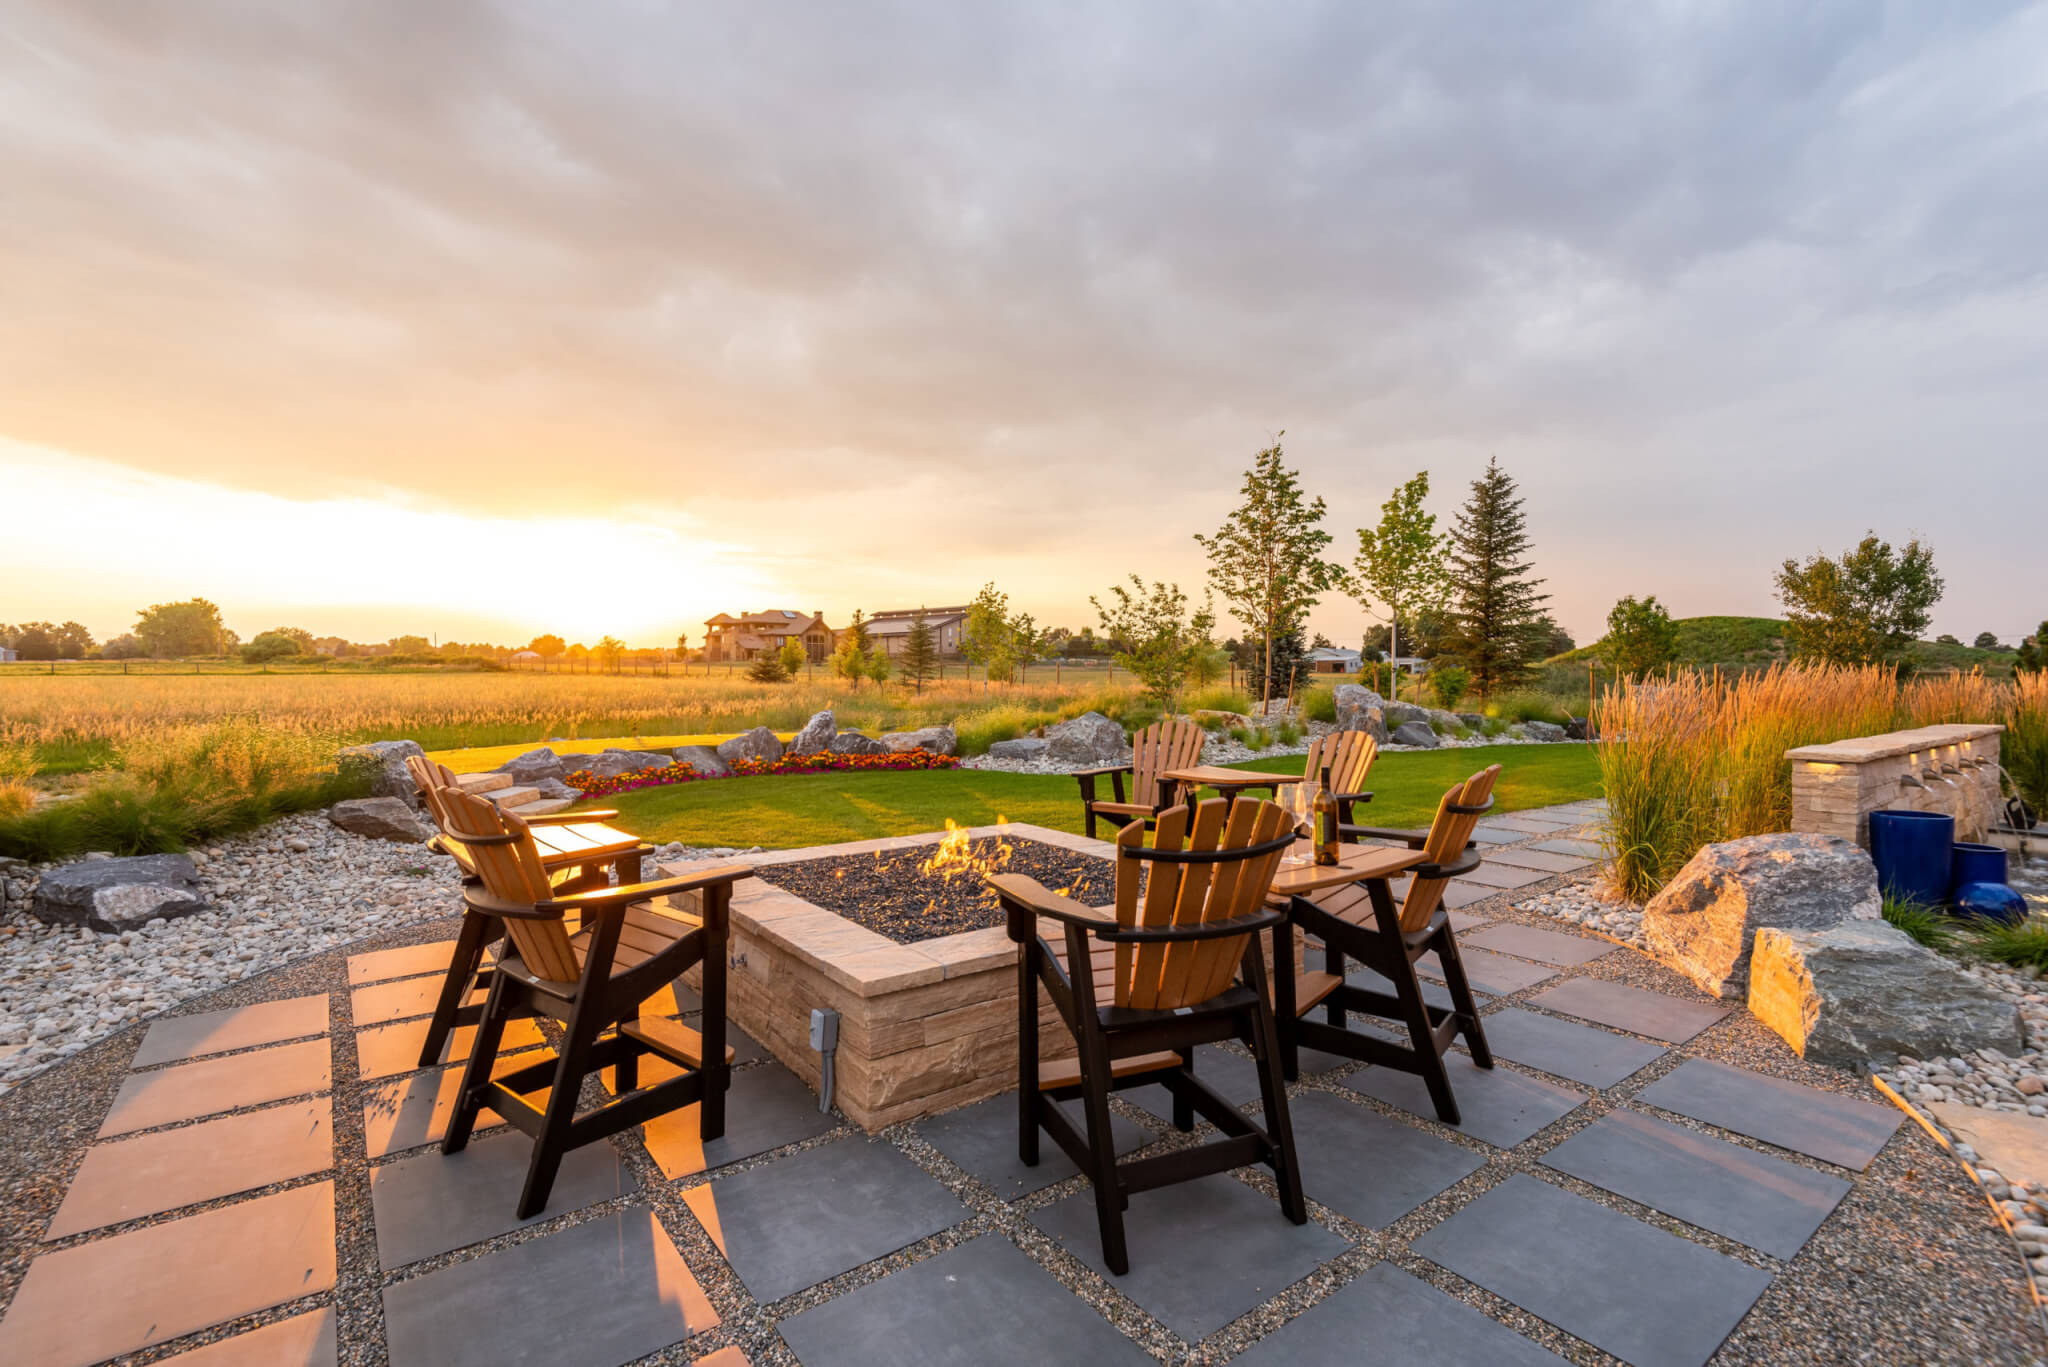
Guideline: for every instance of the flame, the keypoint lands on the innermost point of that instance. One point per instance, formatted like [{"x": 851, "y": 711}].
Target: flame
[{"x": 956, "y": 857}]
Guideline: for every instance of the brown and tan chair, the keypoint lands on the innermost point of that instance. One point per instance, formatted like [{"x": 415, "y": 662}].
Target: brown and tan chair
[
  {"x": 1160, "y": 747},
  {"x": 1361, "y": 922},
  {"x": 593, "y": 981},
  {"x": 586, "y": 856},
  {"x": 1158, "y": 974},
  {"x": 1340, "y": 759}
]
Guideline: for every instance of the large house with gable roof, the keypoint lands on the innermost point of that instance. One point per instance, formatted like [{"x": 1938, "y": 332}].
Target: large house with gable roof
[{"x": 752, "y": 634}]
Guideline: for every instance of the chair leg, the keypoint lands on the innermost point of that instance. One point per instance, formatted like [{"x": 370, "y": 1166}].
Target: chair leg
[
  {"x": 1027, "y": 1054},
  {"x": 1183, "y": 1109},
  {"x": 476, "y": 1074},
  {"x": 1427, "y": 1059},
  {"x": 1273, "y": 1093},
  {"x": 1462, "y": 1004},
  {"x": 462, "y": 970},
  {"x": 552, "y": 1142},
  {"x": 1109, "y": 1196},
  {"x": 626, "y": 1072}
]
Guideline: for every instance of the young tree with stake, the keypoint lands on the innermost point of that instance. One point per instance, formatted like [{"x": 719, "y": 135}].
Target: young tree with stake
[{"x": 1400, "y": 563}]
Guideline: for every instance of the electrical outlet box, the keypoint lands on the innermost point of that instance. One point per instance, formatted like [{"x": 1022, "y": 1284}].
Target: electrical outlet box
[{"x": 824, "y": 1029}]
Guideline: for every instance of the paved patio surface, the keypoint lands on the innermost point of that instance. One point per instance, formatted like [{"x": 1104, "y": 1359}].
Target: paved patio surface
[{"x": 1646, "y": 1177}]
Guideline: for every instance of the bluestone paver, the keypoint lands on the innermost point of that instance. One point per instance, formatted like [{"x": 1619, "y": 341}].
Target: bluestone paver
[
  {"x": 765, "y": 1108},
  {"x": 187, "y": 1091},
  {"x": 1566, "y": 1049},
  {"x": 1825, "y": 1125},
  {"x": 1369, "y": 1168},
  {"x": 1671, "y": 1019},
  {"x": 1499, "y": 1105},
  {"x": 433, "y": 1202},
  {"x": 982, "y": 1139},
  {"x": 1388, "y": 1316},
  {"x": 302, "y": 1341},
  {"x": 244, "y": 1027},
  {"x": 1544, "y": 946}
]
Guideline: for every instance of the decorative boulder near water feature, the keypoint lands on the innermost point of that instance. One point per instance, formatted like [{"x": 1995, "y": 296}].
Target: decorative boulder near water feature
[
  {"x": 1703, "y": 922},
  {"x": 1862, "y": 992},
  {"x": 379, "y": 818},
  {"x": 1090, "y": 740},
  {"x": 113, "y": 895},
  {"x": 759, "y": 743},
  {"x": 390, "y": 778},
  {"x": 817, "y": 735},
  {"x": 936, "y": 740}
]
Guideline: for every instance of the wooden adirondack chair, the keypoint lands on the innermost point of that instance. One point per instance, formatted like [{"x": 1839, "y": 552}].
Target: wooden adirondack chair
[
  {"x": 467, "y": 971},
  {"x": 1164, "y": 745},
  {"x": 1361, "y": 922},
  {"x": 1158, "y": 975},
  {"x": 1340, "y": 758},
  {"x": 593, "y": 981}
]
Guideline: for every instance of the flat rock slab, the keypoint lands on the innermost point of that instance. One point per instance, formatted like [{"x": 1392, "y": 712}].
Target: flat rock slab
[
  {"x": 1772, "y": 1205},
  {"x": 1490, "y": 972},
  {"x": 409, "y": 961},
  {"x": 1671, "y": 1019},
  {"x": 388, "y": 1050},
  {"x": 382, "y": 1003},
  {"x": 152, "y": 1173},
  {"x": 1230, "y": 1075},
  {"x": 1502, "y": 876},
  {"x": 415, "y": 1110},
  {"x": 984, "y": 1302},
  {"x": 607, "y": 1291},
  {"x": 1581, "y": 1053},
  {"x": 1498, "y": 1105},
  {"x": 1202, "y": 1252},
  {"x": 1521, "y": 858},
  {"x": 2013, "y": 1146},
  {"x": 816, "y": 1214},
  {"x": 173, "y": 1279},
  {"x": 1434, "y": 993},
  {"x": 379, "y": 818},
  {"x": 982, "y": 1139},
  {"x": 1582, "y": 849},
  {"x": 301, "y": 1341},
  {"x": 1404, "y": 1319},
  {"x": 1494, "y": 835},
  {"x": 1339, "y": 1141},
  {"x": 766, "y": 1108},
  {"x": 1650, "y": 1298},
  {"x": 1833, "y": 1128},
  {"x": 186, "y": 1091},
  {"x": 219, "y": 1032},
  {"x": 1544, "y": 946},
  {"x": 113, "y": 895},
  {"x": 433, "y": 1202}
]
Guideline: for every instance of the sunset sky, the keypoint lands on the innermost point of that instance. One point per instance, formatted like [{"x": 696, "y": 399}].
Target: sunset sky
[{"x": 478, "y": 320}]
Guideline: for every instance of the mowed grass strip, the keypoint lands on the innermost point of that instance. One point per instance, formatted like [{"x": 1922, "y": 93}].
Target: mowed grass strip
[{"x": 821, "y": 809}]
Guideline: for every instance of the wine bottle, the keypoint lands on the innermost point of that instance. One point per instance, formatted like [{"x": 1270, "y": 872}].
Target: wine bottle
[{"x": 1326, "y": 821}]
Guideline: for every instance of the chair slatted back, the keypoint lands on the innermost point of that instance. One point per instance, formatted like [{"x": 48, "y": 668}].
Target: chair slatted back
[
  {"x": 1448, "y": 834},
  {"x": 432, "y": 779},
  {"x": 512, "y": 872},
  {"x": 1348, "y": 755},
  {"x": 1159, "y": 748},
  {"x": 1161, "y": 977}
]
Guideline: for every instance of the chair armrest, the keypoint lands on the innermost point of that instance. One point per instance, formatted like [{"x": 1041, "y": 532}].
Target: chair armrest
[
  {"x": 1414, "y": 840},
  {"x": 1022, "y": 893},
  {"x": 1464, "y": 863},
  {"x": 1351, "y": 797},
  {"x": 1211, "y": 930},
  {"x": 570, "y": 818},
  {"x": 1105, "y": 769},
  {"x": 600, "y": 898}
]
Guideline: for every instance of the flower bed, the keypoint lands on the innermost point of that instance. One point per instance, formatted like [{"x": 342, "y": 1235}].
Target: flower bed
[{"x": 824, "y": 762}]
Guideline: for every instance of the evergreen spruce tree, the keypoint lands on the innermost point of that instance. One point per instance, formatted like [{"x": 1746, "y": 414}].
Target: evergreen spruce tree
[
  {"x": 1497, "y": 627},
  {"x": 920, "y": 653}
]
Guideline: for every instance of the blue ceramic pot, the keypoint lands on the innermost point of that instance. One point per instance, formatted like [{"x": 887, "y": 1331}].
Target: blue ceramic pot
[
  {"x": 1972, "y": 863},
  {"x": 1990, "y": 902},
  {"x": 1911, "y": 851}
]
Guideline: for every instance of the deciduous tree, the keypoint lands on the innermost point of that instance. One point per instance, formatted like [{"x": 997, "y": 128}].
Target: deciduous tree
[
  {"x": 1400, "y": 563},
  {"x": 174, "y": 630},
  {"x": 1163, "y": 641},
  {"x": 792, "y": 656},
  {"x": 1497, "y": 626},
  {"x": 550, "y": 646},
  {"x": 1867, "y": 606},
  {"x": 1640, "y": 637}
]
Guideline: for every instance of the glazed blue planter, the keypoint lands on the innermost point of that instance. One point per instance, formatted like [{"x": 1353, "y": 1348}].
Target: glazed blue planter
[
  {"x": 1912, "y": 854},
  {"x": 1990, "y": 902},
  {"x": 1971, "y": 863}
]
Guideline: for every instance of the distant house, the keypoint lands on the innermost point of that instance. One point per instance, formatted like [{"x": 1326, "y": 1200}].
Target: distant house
[
  {"x": 1334, "y": 660},
  {"x": 526, "y": 657},
  {"x": 753, "y": 634},
  {"x": 892, "y": 628},
  {"x": 7, "y": 655}
]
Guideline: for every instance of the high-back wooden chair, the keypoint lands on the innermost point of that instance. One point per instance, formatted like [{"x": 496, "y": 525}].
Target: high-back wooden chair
[
  {"x": 1361, "y": 922},
  {"x": 593, "y": 980},
  {"x": 1340, "y": 758},
  {"x": 1161, "y": 747},
  {"x": 1176, "y": 962}
]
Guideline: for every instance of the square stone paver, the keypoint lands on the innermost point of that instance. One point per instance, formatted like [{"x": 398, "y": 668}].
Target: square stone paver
[
  {"x": 431, "y": 1203},
  {"x": 1494, "y": 835},
  {"x": 381, "y": 1003},
  {"x": 1489, "y": 972},
  {"x": 301, "y": 1341},
  {"x": 1433, "y": 992},
  {"x": 984, "y": 1303},
  {"x": 1765, "y": 1202},
  {"x": 1544, "y": 946},
  {"x": 766, "y": 1108},
  {"x": 1366, "y": 1167},
  {"x": 1579, "y": 849},
  {"x": 1230, "y": 1075},
  {"x": 1525, "y": 858},
  {"x": 1202, "y": 1252},
  {"x": 152, "y": 1173},
  {"x": 415, "y": 1110},
  {"x": 1502, "y": 876},
  {"x": 115, "y": 1295},
  {"x": 1582, "y": 1053},
  {"x": 1526, "y": 826},
  {"x": 1650, "y": 1298},
  {"x": 405, "y": 962},
  {"x": 186, "y": 1091},
  {"x": 982, "y": 1139},
  {"x": 216, "y": 1032},
  {"x": 1499, "y": 1105},
  {"x": 1825, "y": 1125},
  {"x": 607, "y": 1291},
  {"x": 388, "y": 1050},
  {"x": 1462, "y": 921},
  {"x": 803, "y": 1219},
  {"x": 1404, "y": 1319},
  {"x": 1671, "y": 1019}
]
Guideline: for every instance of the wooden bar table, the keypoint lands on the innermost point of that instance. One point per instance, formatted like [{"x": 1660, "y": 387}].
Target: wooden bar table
[{"x": 1228, "y": 782}]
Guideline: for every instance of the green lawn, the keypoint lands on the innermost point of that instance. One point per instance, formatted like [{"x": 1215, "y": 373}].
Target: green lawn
[{"x": 819, "y": 809}]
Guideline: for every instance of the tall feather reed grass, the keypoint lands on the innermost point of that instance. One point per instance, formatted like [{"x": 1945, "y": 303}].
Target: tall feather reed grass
[{"x": 1697, "y": 758}]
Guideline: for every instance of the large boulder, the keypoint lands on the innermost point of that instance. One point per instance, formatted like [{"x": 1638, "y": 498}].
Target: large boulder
[
  {"x": 1087, "y": 741},
  {"x": 1401, "y": 713},
  {"x": 1862, "y": 992},
  {"x": 937, "y": 740},
  {"x": 554, "y": 790},
  {"x": 854, "y": 743},
  {"x": 759, "y": 743},
  {"x": 1361, "y": 709},
  {"x": 379, "y": 818},
  {"x": 386, "y": 758},
  {"x": 1415, "y": 733},
  {"x": 1022, "y": 748},
  {"x": 702, "y": 759},
  {"x": 535, "y": 766},
  {"x": 613, "y": 763},
  {"x": 113, "y": 895},
  {"x": 1575, "y": 728},
  {"x": 1543, "y": 730},
  {"x": 1704, "y": 920},
  {"x": 816, "y": 737}
]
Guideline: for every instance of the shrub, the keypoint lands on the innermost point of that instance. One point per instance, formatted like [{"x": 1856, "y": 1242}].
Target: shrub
[
  {"x": 978, "y": 731},
  {"x": 767, "y": 668},
  {"x": 1287, "y": 733},
  {"x": 1447, "y": 684},
  {"x": 2021, "y": 946},
  {"x": 1318, "y": 704},
  {"x": 1520, "y": 707},
  {"x": 1242, "y": 735}
]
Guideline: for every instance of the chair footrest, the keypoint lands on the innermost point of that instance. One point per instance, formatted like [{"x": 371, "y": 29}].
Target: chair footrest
[
  {"x": 1310, "y": 989},
  {"x": 673, "y": 1040},
  {"x": 1066, "y": 1072}
]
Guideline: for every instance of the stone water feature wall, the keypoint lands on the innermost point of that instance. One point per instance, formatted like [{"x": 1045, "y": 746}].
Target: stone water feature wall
[{"x": 1951, "y": 769}]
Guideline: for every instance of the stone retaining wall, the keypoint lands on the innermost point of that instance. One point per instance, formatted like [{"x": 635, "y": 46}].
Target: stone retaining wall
[{"x": 1951, "y": 769}]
